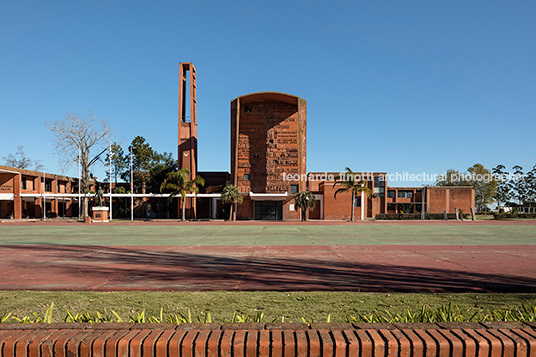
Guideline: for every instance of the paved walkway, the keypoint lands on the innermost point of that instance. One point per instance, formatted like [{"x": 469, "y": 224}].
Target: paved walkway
[{"x": 412, "y": 268}]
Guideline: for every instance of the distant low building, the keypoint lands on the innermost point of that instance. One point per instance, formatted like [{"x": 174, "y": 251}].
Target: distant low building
[{"x": 31, "y": 194}]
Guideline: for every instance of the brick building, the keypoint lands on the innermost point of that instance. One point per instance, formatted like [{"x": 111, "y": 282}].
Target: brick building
[
  {"x": 268, "y": 165},
  {"x": 31, "y": 194},
  {"x": 268, "y": 145}
]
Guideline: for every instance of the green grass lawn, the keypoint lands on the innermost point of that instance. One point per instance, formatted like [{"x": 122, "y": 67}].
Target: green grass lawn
[
  {"x": 269, "y": 235},
  {"x": 222, "y": 305}
]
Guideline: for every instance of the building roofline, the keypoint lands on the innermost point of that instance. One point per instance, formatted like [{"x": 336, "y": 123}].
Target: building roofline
[
  {"x": 14, "y": 170},
  {"x": 265, "y": 96}
]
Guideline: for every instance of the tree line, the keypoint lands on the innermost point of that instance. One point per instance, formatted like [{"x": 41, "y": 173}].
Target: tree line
[{"x": 515, "y": 188}]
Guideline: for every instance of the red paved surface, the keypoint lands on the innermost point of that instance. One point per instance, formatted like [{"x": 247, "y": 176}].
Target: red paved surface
[
  {"x": 162, "y": 222},
  {"x": 359, "y": 268}
]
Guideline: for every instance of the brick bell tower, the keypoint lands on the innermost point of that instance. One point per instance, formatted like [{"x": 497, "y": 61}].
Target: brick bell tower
[{"x": 187, "y": 144}]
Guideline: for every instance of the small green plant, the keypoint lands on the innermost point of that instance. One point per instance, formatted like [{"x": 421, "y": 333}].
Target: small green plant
[
  {"x": 445, "y": 313},
  {"x": 46, "y": 318},
  {"x": 139, "y": 318},
  {"x": 258, "y": 317},
  {"x": 86, "y": 316},
  {"x": 448, "y": 313},
  {"x": 5, "y": 317}
]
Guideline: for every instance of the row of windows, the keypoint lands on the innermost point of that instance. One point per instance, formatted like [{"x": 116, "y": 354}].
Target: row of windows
[
  {"x": 48, "y": 185},
  {"x": 405, "y": 194},
  {"x": 401, "y": 194}
]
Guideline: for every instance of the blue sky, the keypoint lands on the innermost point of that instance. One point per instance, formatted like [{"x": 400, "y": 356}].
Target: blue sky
[{"x": 390, "y": 85}]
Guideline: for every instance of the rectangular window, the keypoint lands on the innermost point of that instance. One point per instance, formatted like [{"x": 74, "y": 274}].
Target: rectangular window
[
  {"x": 357, "y": 201},
  {"x": 247, "y": 177},
  {"x": 379, "y": 186},
  {"x": 405, "y": 194},
  {"x": 48, "y": 186},
  {"x": 293, "y": 188},
  {"x": 391, "y": 194},
  {"x": 23, "y": 183},
  {"x": 391, "y": 207}
]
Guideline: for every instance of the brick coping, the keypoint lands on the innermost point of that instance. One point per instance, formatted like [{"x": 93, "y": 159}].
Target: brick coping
[{"x": 275, "y": 339}]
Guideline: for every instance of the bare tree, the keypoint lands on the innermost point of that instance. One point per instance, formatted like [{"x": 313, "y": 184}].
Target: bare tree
[
  {"x": 20, "y": 160},
  {"x": 78, "y": 135}
]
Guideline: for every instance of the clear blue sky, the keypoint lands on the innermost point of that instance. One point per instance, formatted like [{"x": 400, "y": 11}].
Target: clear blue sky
[{"x": 390, "y": 85}]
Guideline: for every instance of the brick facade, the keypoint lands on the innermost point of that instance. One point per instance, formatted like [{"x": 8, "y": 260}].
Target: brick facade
[
  {"x": 16, "y": 183},
  {"x": 187, "y": 124},
  {"x": 268, "y": 146},
  {"x": 449, "y": 198}
]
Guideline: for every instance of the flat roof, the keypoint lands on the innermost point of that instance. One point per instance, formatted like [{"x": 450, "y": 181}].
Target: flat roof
[
  {"x": 268, "y": 96},
  {"x": 14, "y": 170}
]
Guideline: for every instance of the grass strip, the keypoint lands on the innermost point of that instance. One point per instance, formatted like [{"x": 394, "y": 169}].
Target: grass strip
[{"x": 272, "y": 306}]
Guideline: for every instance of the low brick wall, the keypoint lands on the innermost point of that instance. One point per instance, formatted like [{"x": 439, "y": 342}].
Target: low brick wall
[{"x": 252, "y": 339}]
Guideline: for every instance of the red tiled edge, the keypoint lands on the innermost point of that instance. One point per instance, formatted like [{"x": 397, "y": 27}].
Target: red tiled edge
[{"x": 257, "y": 339}]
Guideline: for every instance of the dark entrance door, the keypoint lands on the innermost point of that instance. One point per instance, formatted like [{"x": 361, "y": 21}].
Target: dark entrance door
[{"x": 269, "y": 210}]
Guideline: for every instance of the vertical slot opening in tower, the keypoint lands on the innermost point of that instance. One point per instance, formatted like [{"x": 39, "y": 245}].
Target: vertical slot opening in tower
[{"x": 186, "y": 109}]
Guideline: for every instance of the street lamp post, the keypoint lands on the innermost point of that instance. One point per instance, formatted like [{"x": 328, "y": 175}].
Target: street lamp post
[
  {"x": 79, "y": 184},
  {"x": 131, "y": 186},
  {"x": 110, "y": 180}
]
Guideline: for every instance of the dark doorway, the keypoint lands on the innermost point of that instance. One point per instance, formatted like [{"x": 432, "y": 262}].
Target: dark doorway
[{"x": 269, "y": 210}]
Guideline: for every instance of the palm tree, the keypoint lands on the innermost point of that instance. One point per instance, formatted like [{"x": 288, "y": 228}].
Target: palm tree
[
  {"x": 350, "y": 184},
  {"x": 305, "y": 200},
  {"x": 180, "y": 183},
  {"x": 231, "y": 195}
]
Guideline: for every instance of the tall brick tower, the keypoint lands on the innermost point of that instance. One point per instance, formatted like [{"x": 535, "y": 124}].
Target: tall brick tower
[
  {"x": 268, "y": 145},
  {"x": 187, "y": 144}
]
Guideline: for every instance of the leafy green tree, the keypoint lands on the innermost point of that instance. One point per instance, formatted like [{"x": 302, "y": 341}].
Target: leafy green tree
[
  {"x": 451, "y": 178},
  {"x": 231, "y": 195},
  {"x": 519, "y": 185},
  {"x": 180, "y": 183},
  {"x": 162, "y": 165},
  {"x": 484, "y": 184},
  {"x": 305, "y": 200},
  {"x": 142, "y": 160},
  {"x": 531, "y": 186},
  {"x": 143, "y": 154},
  {"x": 150, "y": 167},
  {"x": 503, "y": 194},
  {"x": 119, "y": 161},
  {"x": 349, "y": 183}
]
